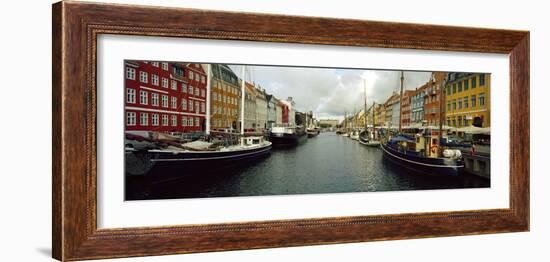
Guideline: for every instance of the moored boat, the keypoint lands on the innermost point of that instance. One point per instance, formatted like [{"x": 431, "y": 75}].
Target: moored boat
[
  {"x": 425, "y": 151},
  {"x": 192, "y": 156},
  {"x": 365, "y": 138},
  {"x": 409, "y": 153},
  {"x": 286, "y": 136},
  {"x": 312, "y": 132}
]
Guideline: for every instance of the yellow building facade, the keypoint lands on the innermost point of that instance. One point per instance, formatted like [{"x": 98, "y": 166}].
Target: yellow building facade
[
  {"x": 468, "y": 100},
  {"x": 225, "y": 98}
]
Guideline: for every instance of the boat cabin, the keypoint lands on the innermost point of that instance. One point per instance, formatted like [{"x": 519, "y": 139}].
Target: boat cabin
[{"x": 252, "y": 140}]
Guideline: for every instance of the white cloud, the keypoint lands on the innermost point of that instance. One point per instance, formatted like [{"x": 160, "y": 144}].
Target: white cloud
[{"x": 330, "y": 92}]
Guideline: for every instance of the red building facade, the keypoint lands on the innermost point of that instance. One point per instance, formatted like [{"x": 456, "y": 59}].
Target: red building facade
[
  {"x": 164, "y": 97},
  {"x": 285, "y": 112},
  {"x": 432, "y": 103}
]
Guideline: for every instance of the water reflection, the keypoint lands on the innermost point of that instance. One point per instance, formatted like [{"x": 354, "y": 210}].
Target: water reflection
[{"x": 328, "y": 163}]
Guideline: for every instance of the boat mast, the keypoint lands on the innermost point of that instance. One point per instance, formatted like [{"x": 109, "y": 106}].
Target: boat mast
[
  {"x": 345, "y": 121},
  {"x": 441, "y": 108},
  {"x": 401, "y": 102},
  {"x": 354, "y": 118},
  {"x": 306, "y": 125},
  {"x": 373, "y": 129},
  {"x": 242, "y": 103},
  {"x": 208, "y": 95},
  {"x": 222, "y": 85},
  {"x": 365, "y": 109}
]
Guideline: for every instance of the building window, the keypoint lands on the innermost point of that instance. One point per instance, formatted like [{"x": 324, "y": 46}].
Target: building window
[
  {"x": 190, "y": 105},
  {"x": 454, "y": 88},
  {"x": 454, "y": 121},
  {"x": 174, "y": 102},
  {"x": 130, "y": 95},
  {"x": 155, "y": 99},
  {"x": 203, "y": 79},
  {"x": 473, "y": 100},
  {"x": 155, "y": 79},
  {"x": 143, "y": 77},
  {"x": 191, "y": 75},
  {"x": 460, "y": 86},
  {"x": 155, "y": 64},
  {"x": 448, "y": 121},
  {"x": 165, "y": 120},
  {"x": 130, "y": 73},
  {"x": 155, "y": 119},
  {"x": 474, "y": 82},
  {"x": 197, "y": 121},
  {"x": 466, "y": 84},
  {"x": 143, "y": 119},
  {"x": 184, "y": 87},
  {"x": 197, "y": 107},
  {"x": 174, "y": 85},
  {"x": 165, "y": 66},
  {"x": 203, "y": 93},
  {"x": 174, "y": 120},
  {"x": 459, "y": 103},
  {"x": 183, "y": 121},
  {"x": 481, "y": 99},
  {"x": 203, "y": 107},
  {"x": 454, "y": 104},
  {"x": 165, "y": 82},
  {"x": 164, "y": 101},
  {"x": 190, "y": 121},
  {"x": 190, "y": 89},
  {"x": 448, "y": 90},
  {"x": 465, "y": 121},
  {"x": 197, "y": 91},
  {"x": 459, "y": 120},
  {"x": 465, "y": 102},
  {"x": 143, "y": 97},
  {"x": 197, "y": 77},
  {"x": 183, "y": 104},
  {"x": 481, "y": 79},
  {"x": 130, "y": 118}
]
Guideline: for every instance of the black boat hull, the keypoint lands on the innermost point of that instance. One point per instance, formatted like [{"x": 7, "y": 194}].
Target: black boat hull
[
  {"x": 183, "y": 163},
  {"x": 286, "y": 139},
  {"x": 433, "y": 166}
]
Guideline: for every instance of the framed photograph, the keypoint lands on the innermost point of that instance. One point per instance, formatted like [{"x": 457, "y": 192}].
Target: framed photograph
[{"x": 181, "y": 130}]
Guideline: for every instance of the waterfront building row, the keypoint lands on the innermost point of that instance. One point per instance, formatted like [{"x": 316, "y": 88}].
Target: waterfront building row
[
  {"x": 171, "y": 97},
  {"x": 466, "y": 102}
]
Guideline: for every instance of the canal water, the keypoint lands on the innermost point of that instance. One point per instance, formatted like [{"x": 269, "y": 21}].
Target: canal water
[{"x": 328, "y": 163}]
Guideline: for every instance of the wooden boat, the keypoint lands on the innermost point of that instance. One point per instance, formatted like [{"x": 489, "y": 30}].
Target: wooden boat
[
  {"x": 411, "y": 154},
  {"x": 186, "y": 160},
  {"x": 158, "y": 150},
  {"x": 424, "y": 151}
]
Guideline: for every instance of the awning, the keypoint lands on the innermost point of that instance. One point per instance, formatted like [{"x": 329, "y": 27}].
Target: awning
[{"x": 475, "y": 130}]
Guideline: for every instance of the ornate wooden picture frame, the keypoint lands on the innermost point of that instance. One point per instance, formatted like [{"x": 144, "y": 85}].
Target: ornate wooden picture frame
[{"x": 76, "y": 26}]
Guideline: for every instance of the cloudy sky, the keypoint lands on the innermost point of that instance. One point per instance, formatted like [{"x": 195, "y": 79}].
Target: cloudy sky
[{"x": 330, "y": 92}]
